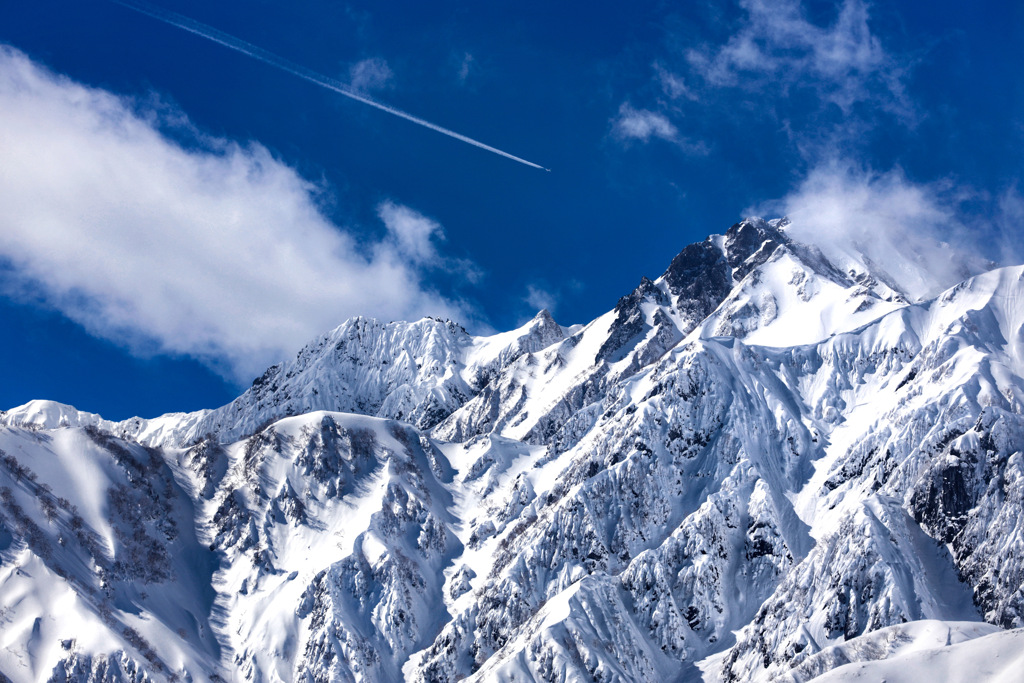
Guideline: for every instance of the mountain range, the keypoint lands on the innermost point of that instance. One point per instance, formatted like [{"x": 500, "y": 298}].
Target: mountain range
[{"x": 774, "y": 462}]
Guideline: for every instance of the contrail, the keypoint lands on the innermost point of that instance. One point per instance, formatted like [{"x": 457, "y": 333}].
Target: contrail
[{"x": 262, "y": 55}]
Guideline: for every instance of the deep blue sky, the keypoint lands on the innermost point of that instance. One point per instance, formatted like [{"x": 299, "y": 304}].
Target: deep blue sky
[{"x": 639, "y": 170}]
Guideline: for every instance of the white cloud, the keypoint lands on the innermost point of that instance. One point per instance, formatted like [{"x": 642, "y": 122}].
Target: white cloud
[
  {"x": 1010, "y": 223},
  {"x": 820, "y": 86},
  {"x": 412, "y": 236},
  {"x": 410, "y": 233},
  {"x": 777, "y": 47},
  {"x": 538, "y": 299},
  {"x": 672, "y": 84},
  {"x": 370, "y": 74},
  {"x": 216, "y": 250},
  {"x": 466, "y": 67},
  {"x": 643, "y": 124},
  {"x": 906, "y": 228}
]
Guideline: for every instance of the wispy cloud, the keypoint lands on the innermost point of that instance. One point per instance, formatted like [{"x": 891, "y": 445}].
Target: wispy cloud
[
  {"x": 672, "y": 84},
  {"x": 538, "y": 298},
  {"x": 644, "y": 125},
  {"x": 411, "y": 234},
  {"x": 823, "y": 86},
  {"x": 466, "y": 67},
  {"x": 1009, "y": 221},
  {"x": 415, "y": 237},
  {"x": 216, "y": 250},
  {"x": 778, "y": 47},
  {"x": 370, "y": 74}
]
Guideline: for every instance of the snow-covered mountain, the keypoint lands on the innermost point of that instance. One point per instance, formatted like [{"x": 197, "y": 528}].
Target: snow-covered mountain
[{"x": 766, "y": 464}]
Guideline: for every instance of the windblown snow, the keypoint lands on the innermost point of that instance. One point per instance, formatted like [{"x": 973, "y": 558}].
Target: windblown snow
[{"x": 767, "y": 464}]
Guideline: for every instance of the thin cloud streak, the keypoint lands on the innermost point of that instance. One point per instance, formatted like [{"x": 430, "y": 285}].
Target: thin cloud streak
[{"x": 258, "y": 53}]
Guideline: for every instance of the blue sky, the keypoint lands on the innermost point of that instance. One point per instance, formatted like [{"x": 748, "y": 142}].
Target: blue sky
[{"x": 175, "y": 215}]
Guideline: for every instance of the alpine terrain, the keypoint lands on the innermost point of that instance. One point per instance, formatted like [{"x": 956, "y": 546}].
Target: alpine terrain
[{"x": 771, "y": 463}]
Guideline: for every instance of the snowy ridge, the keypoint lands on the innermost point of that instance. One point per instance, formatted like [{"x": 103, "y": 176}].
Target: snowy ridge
[
  {"x": 995, "y": 657},
  {"x": 416, "y": 372},
  {"x": 766, "y": 464}
]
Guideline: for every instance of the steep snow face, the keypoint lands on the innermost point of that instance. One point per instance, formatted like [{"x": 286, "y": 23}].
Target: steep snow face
[
  {"x": 409, "y": 371},
  {"x": 101, "y": 570},
  {"x": 766, "y": 464},
  {"x": 792, "y": 300},
  {"x": 669, "y": 492},
  {"x": 314, "y": 548},
  {"x": 878, "y": 569},
  {"x": 333, "y": 532},
  {"x": 922, "y": 415}
]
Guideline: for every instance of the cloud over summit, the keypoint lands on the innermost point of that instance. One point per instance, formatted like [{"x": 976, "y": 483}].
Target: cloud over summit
[
  {"x": 906, "y": 228},
  {"x": 821, "y": 96}
]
